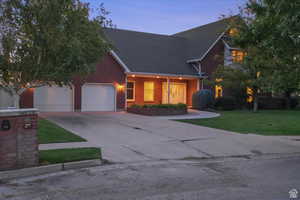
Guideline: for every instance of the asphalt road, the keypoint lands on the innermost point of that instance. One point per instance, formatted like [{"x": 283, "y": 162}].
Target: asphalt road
[{"x": 259, "y": 177}]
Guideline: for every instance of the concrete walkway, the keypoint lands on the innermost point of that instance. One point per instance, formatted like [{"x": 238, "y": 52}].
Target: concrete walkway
[
  {"x": 126, "y": 137},
  {"x": 192, "y": 114}
]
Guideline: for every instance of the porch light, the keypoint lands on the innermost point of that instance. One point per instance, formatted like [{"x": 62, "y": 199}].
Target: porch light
[
  {"x": 180, "y": 78},
  {"x": 133, "y": 76},
  {"x": 157, "y": 77},
  {"x": 120, "y": 87}
]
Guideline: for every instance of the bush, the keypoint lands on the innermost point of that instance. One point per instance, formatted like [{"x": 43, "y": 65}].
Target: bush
[
  {"x": 180, "y": 105},
  {"x": 158, "y": 109},
  {"x": 276, "y": 102},
  {"x": 271, "y": 103},
  {"x": 226, "y": 103},
  {"x": 294, "y": 102},
  {"x": 203, "y": 99}
]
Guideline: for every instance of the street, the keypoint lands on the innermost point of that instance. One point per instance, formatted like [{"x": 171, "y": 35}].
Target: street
[{"x": 257, "y": 177}]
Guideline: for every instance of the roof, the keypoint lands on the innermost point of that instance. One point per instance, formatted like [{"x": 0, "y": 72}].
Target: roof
[
  {"x": 201, "y": 38},
  {"x": 164, "y": 54}
]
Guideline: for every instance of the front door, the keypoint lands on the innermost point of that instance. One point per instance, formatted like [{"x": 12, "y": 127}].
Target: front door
[{"x": 177, "y": 93}]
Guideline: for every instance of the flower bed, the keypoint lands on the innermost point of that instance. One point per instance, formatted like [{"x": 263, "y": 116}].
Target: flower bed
[{"x": 158, "y": 109}]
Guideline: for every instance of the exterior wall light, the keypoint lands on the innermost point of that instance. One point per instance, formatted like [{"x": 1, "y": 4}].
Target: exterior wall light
[{"x": 120, "y": 87}]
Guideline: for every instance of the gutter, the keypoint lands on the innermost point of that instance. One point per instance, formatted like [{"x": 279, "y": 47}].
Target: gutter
[{"x": 163, "y": 74}]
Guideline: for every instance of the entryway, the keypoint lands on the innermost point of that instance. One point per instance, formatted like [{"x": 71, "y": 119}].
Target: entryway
[{"x": 177, "y": 93}]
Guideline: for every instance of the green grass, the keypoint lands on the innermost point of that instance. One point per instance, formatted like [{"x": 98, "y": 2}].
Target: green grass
[
  {"x": 264, "y": 122},
  {"x": 49, "y": 132},
  {"x": 69, "y": 155}
]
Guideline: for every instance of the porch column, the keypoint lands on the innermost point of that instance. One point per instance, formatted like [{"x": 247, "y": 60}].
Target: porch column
[
  {"x": 126, "y": 80},
  {"x": 168, "y": 83}
]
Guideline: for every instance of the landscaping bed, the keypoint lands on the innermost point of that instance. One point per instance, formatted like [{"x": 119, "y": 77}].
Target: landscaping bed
[
  {"x": 49, "y": 132},
  {"x": 68, "y": 155},
  {"x": 264, "y": 122},
  {"x": 158, "y": 109}
]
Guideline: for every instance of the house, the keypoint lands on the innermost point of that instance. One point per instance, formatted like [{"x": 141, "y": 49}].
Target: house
[{"x": 142, "y": 68}]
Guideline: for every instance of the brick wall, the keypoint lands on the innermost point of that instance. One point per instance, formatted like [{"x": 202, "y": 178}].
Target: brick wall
[
  {"x": 158, "y": 82},
  {"x": 108, "y": 70},
  {"x": 212, "y": 60},
  {"x": 19, "y": 146}
]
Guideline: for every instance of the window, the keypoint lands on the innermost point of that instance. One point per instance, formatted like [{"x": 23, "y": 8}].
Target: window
[
  {"x": 250, "y": 95},
  {"x": 233, "y": 32},
  {"x": 148, "y": 91},
  {"x": 237, "y": 56},
  {"x": 130, "y": 90},
  {"x": 218, "y": 91}
]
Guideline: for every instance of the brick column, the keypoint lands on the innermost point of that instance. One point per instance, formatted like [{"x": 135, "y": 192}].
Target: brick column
[{"x": 18, "y": 138}]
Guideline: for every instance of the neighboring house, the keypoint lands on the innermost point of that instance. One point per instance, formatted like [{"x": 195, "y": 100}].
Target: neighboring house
[{"x": 143, "y": 68}]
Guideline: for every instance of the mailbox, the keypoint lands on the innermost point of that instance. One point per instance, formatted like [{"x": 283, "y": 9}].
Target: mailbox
[
  {"x": 5, "y": 125},
  {"x": 27, "y": 123}
]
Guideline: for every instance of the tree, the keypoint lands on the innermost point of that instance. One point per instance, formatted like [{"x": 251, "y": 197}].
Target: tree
[
  {"x": 275, "y": 28},
  {"x": 46, "y": 42},
  {"x": 269, "y": 32},
  {"x": 251, "y": 74}
]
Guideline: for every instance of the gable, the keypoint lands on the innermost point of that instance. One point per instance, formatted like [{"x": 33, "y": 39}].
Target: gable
[{"x": 165, "y": 54}]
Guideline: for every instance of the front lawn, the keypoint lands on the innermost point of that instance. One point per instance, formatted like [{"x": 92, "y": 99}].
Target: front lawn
[
  {"x": 69, "y": 155},
  {"x": 49, "y": 132},
  {"x": 266, "y": 122}
]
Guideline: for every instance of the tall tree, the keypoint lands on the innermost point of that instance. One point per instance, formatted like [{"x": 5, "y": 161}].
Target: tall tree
[
  {"x": 275, "y": 28},
  {"x": 46, "y": 42},
  {"x": 269, "y": 31}
]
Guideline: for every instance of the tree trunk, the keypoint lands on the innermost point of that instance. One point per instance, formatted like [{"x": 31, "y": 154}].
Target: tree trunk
[
  {"x": 287, "y": 100},
  {"x": 255, "y": 104}
]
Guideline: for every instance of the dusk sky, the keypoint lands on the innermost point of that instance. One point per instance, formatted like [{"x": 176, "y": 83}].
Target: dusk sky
[{"x": 166, "y": 16}]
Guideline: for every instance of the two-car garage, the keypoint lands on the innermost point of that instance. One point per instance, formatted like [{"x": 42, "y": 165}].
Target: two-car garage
[{"x": 94, "y": 97}]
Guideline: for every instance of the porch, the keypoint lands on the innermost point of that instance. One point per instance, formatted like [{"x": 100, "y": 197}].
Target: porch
[{"x": 143, "y": 89}]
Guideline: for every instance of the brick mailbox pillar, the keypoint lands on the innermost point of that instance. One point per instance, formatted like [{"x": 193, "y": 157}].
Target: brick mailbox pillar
[{"x": 18, "y": 138}]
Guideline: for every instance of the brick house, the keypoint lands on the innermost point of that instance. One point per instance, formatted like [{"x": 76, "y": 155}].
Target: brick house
[{"x": 142, "y": 68}]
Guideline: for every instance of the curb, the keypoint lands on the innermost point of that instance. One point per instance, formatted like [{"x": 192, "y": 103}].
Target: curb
[{"x": 42, "y": 170}]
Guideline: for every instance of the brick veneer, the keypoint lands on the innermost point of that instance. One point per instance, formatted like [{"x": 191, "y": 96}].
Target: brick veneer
[
  {"x": 158, "y": 82},
  {"x": 19, "y": 146}
]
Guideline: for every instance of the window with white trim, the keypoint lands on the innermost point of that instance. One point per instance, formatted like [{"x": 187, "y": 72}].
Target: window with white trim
[
  {"x": 148, "y": 91},
  {"x": 130, "y": 90}
]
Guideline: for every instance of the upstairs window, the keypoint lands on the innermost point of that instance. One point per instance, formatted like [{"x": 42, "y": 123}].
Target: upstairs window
[
  {"x": 237, "y": 56},
  {"x": 233, "y": 32},
  {"x": 148, "y": 91}
]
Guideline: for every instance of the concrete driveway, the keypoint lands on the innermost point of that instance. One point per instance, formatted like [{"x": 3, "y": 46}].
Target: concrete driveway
[{"x": 132, "y": 138}]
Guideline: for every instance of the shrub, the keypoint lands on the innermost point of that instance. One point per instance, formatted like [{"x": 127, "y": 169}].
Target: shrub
[
  {"x": 203, "y": 99},
  {"x": 271, "y": 102},
  {"x": 180, "y": 105},
  {"x": 294, "y": 102},
  {"x": 226, "y": 103},
  {"x": 158, "y": 109}
]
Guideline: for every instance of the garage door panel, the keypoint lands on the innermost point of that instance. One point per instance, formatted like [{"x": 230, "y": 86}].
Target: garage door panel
[
  {"x": 98, "y": 98},
  {"x": 53, "y": 99}
]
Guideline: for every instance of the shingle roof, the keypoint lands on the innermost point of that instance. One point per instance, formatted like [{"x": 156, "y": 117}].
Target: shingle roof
[
  {"x": 200, "y": 39},
  {"x": 164, "y": 54}
]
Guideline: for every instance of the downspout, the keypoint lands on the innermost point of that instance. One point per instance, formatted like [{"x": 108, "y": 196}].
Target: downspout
[
  {"x": 168, "y": 82},
  {"x": 200, "y": 74},
  {"x": 126, "y": 91}
]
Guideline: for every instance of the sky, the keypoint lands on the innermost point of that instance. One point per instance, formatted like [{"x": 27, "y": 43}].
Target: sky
[{"x": 165, "y": 16}]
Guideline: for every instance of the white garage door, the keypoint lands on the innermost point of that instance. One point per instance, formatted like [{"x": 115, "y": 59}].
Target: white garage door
[
  {"x": 98, "y": 97},
  {"x": 6, "y": 100},
  {"x": 53, "y": 99}
]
